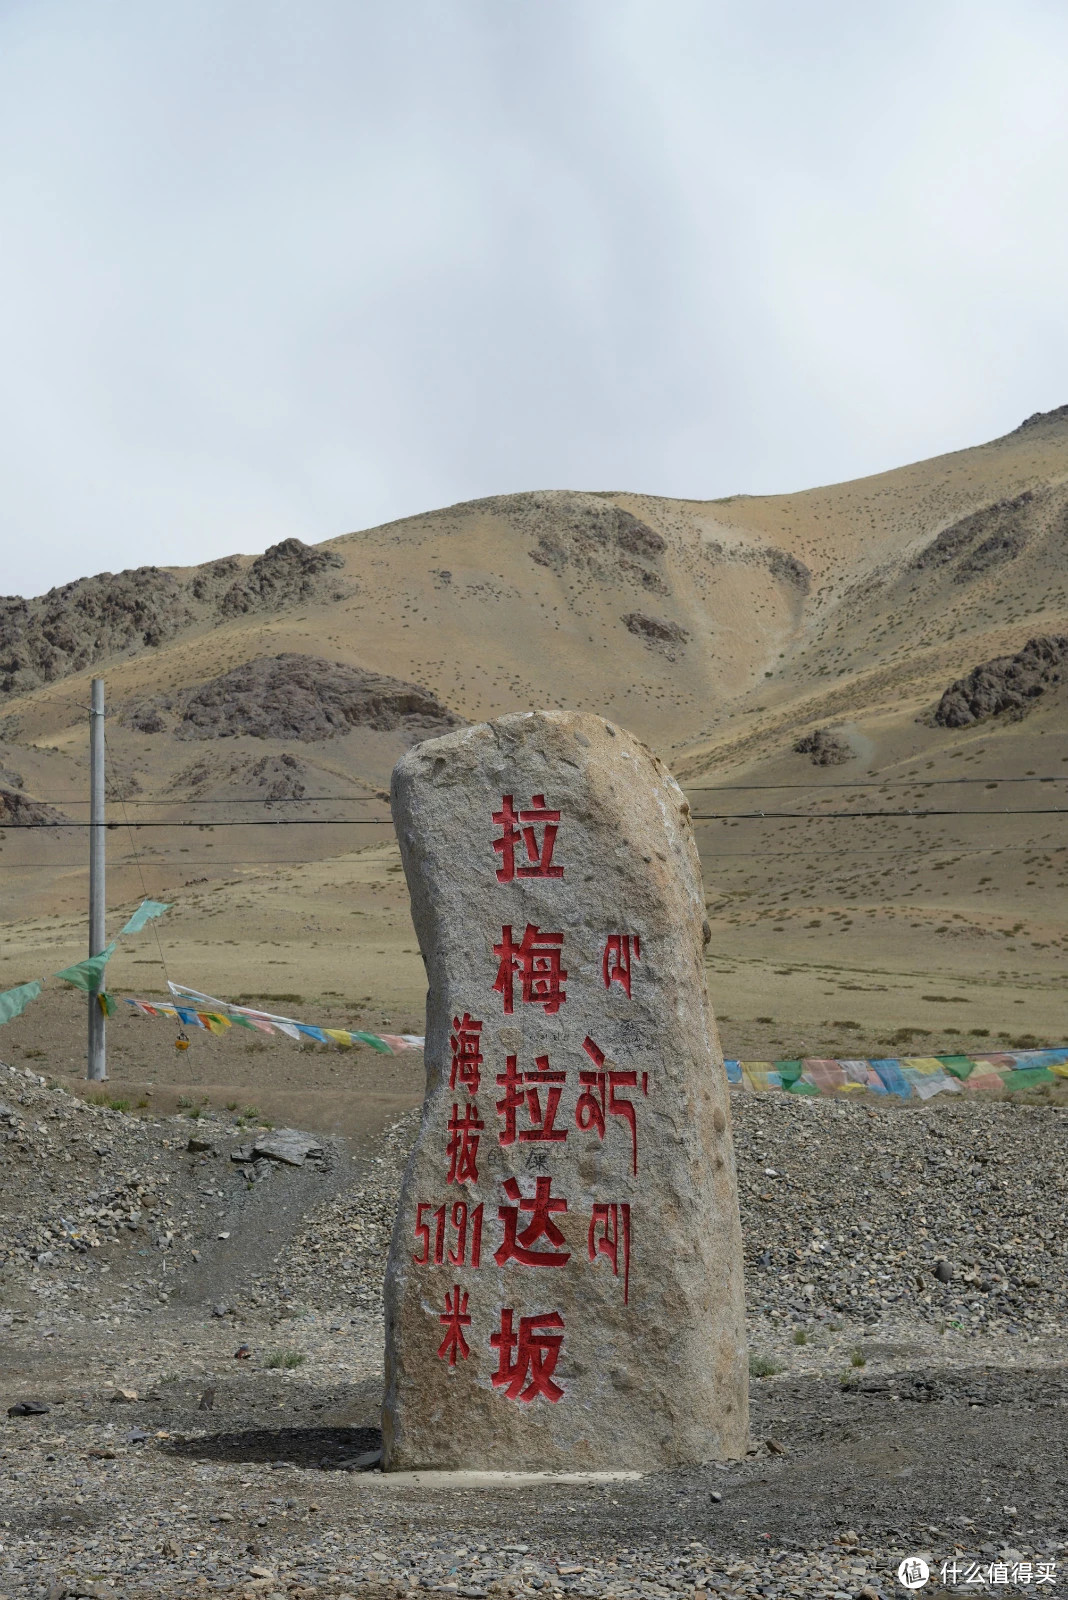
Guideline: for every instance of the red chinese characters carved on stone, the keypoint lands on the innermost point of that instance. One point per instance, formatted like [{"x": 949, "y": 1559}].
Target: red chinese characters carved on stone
[
  {"x": 535, "y": 960},
  {"x": 462, "y": 1148},
  {"x": 466, "y": 1044},
  {"x": 518, "y": 1242},
  {"x": 531, "y": 1354},
  {"x": 539, "y": 852},
  {"x": 455, "y": 1319},
  {"x": 599, "y": 1098},
  {"x": 526, "y": 1089},
  {"x": 620, "y": 949},
  {"x": 609, "y": 1235}
]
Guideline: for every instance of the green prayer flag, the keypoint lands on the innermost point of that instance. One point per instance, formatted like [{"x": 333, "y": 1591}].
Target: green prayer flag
[
  {"x": 144, "y": 913},
  {"x": 1026, "y": 1078},
  {"x": 960, "y": 1066},
  {"x": 106, "y": 1003},
  {"x": 375, "y": 1042},
  {"x": 13, "y": 1002},
  {"x": 87, "y": 974}
]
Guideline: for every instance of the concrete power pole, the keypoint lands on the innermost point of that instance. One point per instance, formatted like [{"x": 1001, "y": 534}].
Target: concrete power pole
[{"x": 98, "y": 1061}]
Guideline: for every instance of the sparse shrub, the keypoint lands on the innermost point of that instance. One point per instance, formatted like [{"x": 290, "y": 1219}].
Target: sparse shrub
[
  {"x": 763, "y": 1366},
  {"x": 857, "y": 1358},
  {"x": 800, "y": 1336},
  {"x": 112, "y": 1103},
  {"x": 285, "y": 1358}
]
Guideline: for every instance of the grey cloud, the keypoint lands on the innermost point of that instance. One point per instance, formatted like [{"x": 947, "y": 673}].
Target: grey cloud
[{"x": 275, "y": 269}]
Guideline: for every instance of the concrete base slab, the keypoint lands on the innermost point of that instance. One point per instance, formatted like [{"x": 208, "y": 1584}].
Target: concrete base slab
[{"x": 490, "y": 1480}]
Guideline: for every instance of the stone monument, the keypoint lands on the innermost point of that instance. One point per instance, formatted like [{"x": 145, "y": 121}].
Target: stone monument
[{"x": 564, "y": 1287}]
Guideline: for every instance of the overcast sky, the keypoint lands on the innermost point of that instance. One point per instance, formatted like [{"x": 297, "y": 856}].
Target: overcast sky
[{"x": 298, "y": 268}]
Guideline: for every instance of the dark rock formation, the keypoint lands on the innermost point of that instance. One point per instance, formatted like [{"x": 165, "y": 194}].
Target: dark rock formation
[
  {"x": 825, "y": 747},
  {"x": 69, "y": 628},
  {"x": 17, "y": 808},
  {"x": 294, "y": 697},
  {"x": 787, "y": 568},
  {"x": 1006, "y": 684},
  {"x": 995, "y": 534},
  {"x": 1058, "y": 414},
  {"x": 593, "y": 535},
  {"x": 284, "y": 573},
  {"x": 280, "y": 777},
  {"x": 115, "y": 614},
  {"x": 653, "y": 630}
]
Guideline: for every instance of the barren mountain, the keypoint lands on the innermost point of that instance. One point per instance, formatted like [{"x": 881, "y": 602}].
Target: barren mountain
[{"x": 855, "y": 647}]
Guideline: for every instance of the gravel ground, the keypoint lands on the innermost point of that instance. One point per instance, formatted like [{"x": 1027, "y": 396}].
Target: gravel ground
[{"x": 908, "y": 1414}]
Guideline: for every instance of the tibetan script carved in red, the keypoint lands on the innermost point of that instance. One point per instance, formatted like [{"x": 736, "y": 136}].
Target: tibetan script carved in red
[
  {"x": 536, "y": 962},
  {"x": 620, "y": 949},
  {"x": 609, "y": 1236},
  {"x": 535, "y": 1349},
  {"x": 465, "y": 1125},
  {"x": 599, "y": 1097},
  {"x": 455, "y": 1319},
  {"x": 526, "y": 1088},
  {"x": 466, "y": 1044},
  {"x": 539, "y": 852},
  {"x": 517, "y": 1243}
]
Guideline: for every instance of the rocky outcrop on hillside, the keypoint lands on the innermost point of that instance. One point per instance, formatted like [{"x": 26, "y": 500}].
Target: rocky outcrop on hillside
[
  {"x": 1007, "y": 684},
  {"x": 294, "y": 697},
  {"x": 116, "y": 614},
  {"x": 285, "y": 573},
  {"x": 18, "y": 809},
  {"x": 655, "y": 631},
  {"x": 825, "y": 747},
  {"x": 1038, "y": 418},
  {"x": 69, "y": 628},
  {"x": 995, "y": 534},
  {"x": 586, "y": 535}
]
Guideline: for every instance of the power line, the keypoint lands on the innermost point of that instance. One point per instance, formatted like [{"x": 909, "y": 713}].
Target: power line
[
  {"x": 714, "y": 788},
  {"x": 868, "y": 783},
  {"x": 860, "y": 816},
  {"x": 697, "y": 816},
  {"x": 714, "y": 856},
  {"x": 254, "y": 822},
  {"x": 235, "y": 800}
]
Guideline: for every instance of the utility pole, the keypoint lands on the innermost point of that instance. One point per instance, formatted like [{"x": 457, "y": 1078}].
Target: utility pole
[{"x": 98, "y": 1061}]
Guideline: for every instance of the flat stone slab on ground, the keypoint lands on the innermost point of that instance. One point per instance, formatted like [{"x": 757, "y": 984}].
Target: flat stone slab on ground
[{"x": 281, "y": 1144}]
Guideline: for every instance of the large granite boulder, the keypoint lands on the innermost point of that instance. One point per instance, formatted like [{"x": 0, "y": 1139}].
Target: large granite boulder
[{"x": 564, "y": 1286}]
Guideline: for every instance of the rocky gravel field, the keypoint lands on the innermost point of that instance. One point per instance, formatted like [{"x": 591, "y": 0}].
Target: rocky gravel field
[{"x": 190, "y": 1371}]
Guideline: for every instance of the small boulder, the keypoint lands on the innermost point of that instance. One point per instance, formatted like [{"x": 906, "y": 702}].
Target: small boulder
[
  {"x": 288, "y": 1145},
  {"x": 28, "y": 1408}
]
